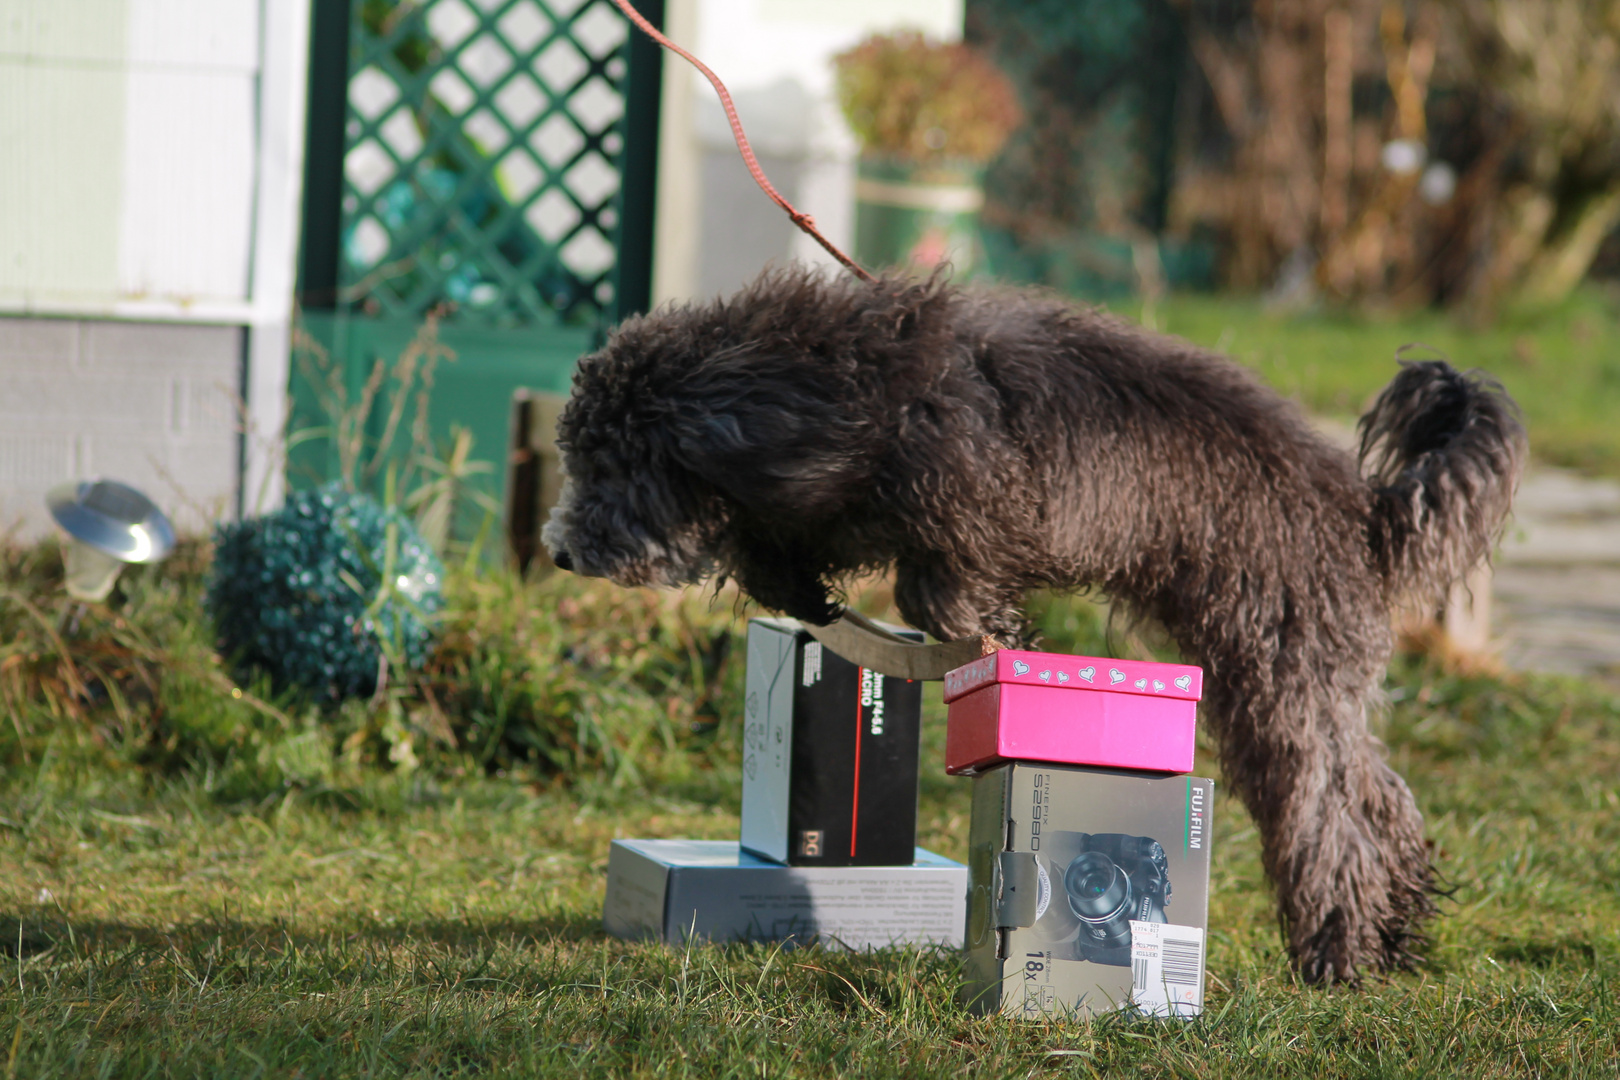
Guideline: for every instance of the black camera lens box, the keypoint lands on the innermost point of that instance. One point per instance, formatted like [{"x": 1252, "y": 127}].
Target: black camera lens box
[
  {"x": 1089, "y": 891},
  {"x": 829, "y": 754}
]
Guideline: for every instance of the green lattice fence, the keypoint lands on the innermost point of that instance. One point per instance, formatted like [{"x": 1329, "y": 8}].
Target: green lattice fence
[
  {"x": 491, "y": 160},
  {"x": 483, "y": 149}
]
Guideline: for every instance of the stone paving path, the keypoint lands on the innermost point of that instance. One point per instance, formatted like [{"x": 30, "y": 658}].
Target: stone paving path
[{"x": 1557, "y": 583}]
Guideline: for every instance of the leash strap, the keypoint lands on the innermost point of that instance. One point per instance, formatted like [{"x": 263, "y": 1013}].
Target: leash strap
[
  {"x": 802, "y": 220},
  {"x": 863, "y": 642}
]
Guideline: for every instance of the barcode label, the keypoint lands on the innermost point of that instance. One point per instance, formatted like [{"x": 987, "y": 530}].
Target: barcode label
[
  {"x": 1183, "y": 961},
  {"x": 1167, "y": 968},
  {"x": 812, "y": 663}
]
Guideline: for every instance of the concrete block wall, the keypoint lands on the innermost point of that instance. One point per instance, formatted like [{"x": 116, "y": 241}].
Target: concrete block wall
[{"x": 151, "y": 404}]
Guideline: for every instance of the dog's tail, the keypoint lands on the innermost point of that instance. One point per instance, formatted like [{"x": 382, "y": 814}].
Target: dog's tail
[{"x": 1443, "y": 451}]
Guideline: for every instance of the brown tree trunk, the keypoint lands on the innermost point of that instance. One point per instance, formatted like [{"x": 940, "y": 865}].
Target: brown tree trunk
[
  {"x": 1269, "y": 97},
  {"x": 1338, "y": 118},
  {"x": 1364, "y": 260}
]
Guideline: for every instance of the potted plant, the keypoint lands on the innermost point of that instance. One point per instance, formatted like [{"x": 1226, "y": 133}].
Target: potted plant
[{"x": 929, "y": 116}]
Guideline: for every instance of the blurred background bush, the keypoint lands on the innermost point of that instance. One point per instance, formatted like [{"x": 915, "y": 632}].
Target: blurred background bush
[{"x": 1452, "y": 152}]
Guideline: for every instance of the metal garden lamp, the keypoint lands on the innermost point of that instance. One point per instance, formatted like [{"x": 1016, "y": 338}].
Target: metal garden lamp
[{"x": 109, "y": 524}]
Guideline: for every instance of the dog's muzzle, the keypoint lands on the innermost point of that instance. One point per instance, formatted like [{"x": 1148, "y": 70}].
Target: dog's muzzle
[{"x": 562, "y": 559}]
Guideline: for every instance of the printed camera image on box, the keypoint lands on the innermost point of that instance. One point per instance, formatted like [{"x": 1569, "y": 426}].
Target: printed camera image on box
[
  {"x": 1089, "y": 891},
  {"x": 1078, "y": 710},
  {"x": 1103, "y": 882},
  {"x": 829, "y": 754},
  {"x": 711, "y": 890}
]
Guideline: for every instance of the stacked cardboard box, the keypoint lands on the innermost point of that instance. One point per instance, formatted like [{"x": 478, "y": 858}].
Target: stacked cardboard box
[
  {"x": 829, "y": 754},
  {"x": 1089, "y": 846},
  {"x": 829, "y": 819}
]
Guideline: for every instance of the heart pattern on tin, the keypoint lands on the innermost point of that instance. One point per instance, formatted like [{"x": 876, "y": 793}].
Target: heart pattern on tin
[
  {"x": 1184, "y": 682},
  {"x": 1115, "y": 676},
  {"x": 1157, "y": 686},
  {"x": 1141, "y": 684},
  {"x": 1063, "y": 676},
  {"x": 1088, "y": 673},
  {"x": 1045, "y": 676},
  {"x": 1020, "y": 668}
]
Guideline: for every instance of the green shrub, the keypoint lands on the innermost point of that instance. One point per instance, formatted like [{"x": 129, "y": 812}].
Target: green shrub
[
  {"x": 319, "y": 594},
  {"x": 573, "y": 675},
  {"x": 911, "y": 99},
  {"x": 557, "y": 678}
]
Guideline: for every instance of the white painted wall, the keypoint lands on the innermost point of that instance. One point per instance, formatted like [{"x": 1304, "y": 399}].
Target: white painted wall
[
  {"x": 185, "y": 226},
  {"x": 715, "y": 228},
  {"x": 131, "y": 160},
  {"x": 151, "y": 154},
  {"x": 754, "y": 43}
]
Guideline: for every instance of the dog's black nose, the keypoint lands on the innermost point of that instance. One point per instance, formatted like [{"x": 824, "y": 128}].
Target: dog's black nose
[{"x": 563, "y": 560}]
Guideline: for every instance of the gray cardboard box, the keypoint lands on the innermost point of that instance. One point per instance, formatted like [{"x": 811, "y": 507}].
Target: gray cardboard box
[
  {"x": 1090, "y": 891},
  {"x": 680, "y": 890}
]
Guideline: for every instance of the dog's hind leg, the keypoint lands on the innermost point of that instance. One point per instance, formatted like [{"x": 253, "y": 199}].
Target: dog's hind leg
[{"x": 1342, "y": 835}]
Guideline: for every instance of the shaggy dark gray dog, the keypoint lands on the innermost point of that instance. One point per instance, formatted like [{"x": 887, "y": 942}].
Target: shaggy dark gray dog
[{"x": 984, "y": 443}]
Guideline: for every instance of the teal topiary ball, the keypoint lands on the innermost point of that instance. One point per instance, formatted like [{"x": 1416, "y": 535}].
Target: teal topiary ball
[{"x": 289, "y": 592}]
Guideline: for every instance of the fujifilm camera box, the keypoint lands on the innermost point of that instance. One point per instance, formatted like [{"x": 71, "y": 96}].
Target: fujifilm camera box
[
  {"x": 829, "y": 754},
  {"x": 1090, "y": 891},
  {"x": 711, "y": 890}
]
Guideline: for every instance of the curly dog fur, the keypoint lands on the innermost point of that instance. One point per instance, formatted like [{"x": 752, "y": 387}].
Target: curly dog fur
[{"x": 983, "y": 443}]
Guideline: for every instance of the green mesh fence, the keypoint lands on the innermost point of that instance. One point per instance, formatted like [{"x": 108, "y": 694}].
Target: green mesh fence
[
  {"x": 488, "y": 161},
  {"x": 483, "y": 146}
]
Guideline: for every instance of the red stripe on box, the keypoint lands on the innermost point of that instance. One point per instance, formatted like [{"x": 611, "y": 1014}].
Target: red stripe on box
[{"x": 855, "y": 802}]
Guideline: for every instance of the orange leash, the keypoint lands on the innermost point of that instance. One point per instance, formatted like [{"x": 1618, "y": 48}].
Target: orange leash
[{"x": 803, "y": 221}]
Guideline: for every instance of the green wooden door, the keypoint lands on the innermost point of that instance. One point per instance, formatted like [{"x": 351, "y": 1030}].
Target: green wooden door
[{"x": 488, "y": 163}]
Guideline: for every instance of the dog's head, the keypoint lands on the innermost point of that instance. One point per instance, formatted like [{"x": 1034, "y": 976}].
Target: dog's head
[
  {"x": 630, "y": 509},
  {"x": 681, "y": 425},
  {"x": 725, "y": 438}
]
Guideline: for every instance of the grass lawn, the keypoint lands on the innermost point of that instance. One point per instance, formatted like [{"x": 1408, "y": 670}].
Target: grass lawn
[
  {"x": 372, "y": 922},
  {"x": 1562, "y": 365},
  {"x": 200, "y": 878}
]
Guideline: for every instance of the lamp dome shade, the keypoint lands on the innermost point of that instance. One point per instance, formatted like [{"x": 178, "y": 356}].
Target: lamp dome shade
[{"x": 112, "y": 518}]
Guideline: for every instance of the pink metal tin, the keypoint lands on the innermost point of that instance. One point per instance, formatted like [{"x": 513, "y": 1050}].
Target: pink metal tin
[{"x": 1076, "y": 710}]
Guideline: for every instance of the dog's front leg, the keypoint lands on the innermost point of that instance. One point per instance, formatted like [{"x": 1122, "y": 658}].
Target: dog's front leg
[{"x": 933, "y": 593}]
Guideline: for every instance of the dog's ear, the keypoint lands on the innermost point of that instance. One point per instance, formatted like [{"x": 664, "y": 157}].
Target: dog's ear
[
  {"x": 784, "y": 575},
  {"x": 784, "y": 442},
  {"x": 788, "y": 444}
]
